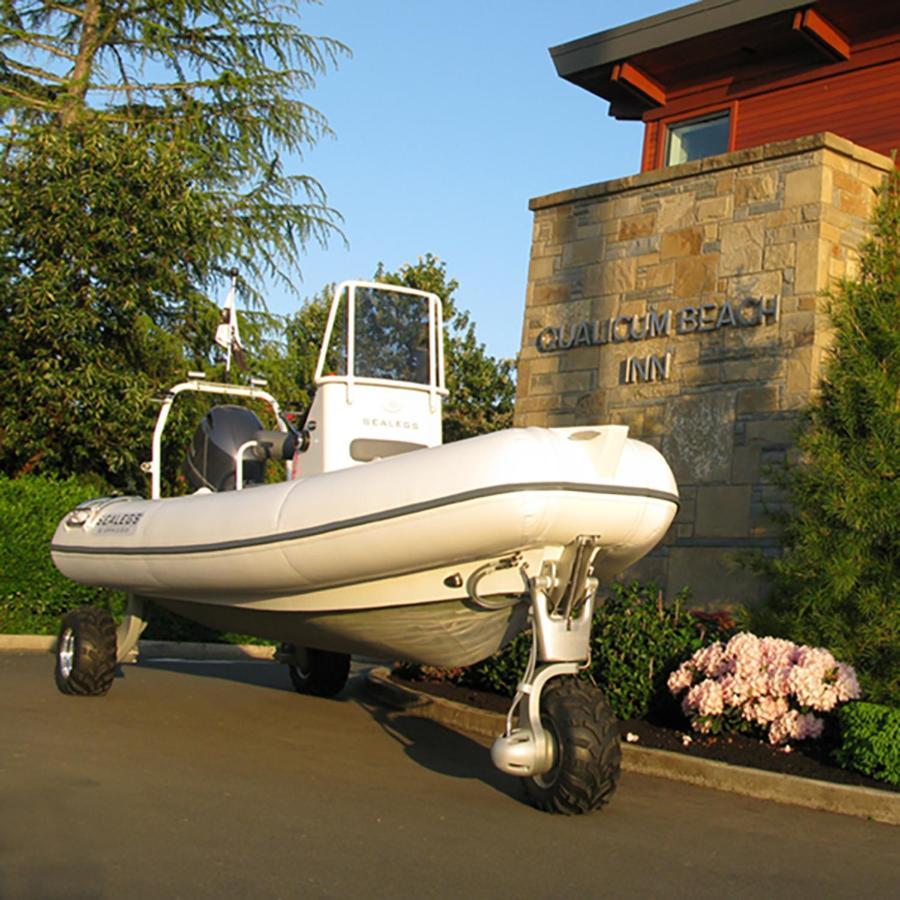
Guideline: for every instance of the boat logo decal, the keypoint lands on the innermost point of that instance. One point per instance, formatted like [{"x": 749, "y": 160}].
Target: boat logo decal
[
  {"x": 117, "y": 523},
  {"x": 390, "y": 423}
]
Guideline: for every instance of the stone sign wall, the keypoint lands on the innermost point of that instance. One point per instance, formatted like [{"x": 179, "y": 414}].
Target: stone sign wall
[{"x": 687, "y": 304}]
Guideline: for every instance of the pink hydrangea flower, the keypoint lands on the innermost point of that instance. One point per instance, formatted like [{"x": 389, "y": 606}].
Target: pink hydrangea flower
[
  {"x": 706, "y": 698},
  {"x": 681, "y": 679},
  {"x": 846, "y": 683},
  {"x": 764, "y": 710},
  {"x": 711, "y": 660},
  {"x": 796, "y": 725},
  {"x": 769, "y": 682}
]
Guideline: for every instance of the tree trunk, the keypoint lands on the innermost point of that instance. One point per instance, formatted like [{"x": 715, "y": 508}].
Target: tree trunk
[{"x": 79, "y": 77}]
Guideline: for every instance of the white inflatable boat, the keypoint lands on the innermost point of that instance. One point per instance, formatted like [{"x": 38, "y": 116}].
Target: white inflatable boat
[
  {"x": 380, "y": 541},
  {"x": 376, "y": 559}
]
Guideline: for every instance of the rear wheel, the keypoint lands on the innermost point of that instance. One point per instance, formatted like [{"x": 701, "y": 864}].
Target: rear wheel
[
  {"x": 587, "y": 754},
  {"x": 319, "y": 672},
  {"x": 86, "y": 652}
]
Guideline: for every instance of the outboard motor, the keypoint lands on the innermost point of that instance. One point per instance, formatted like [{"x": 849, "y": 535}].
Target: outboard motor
[{"x": 209, "y": 461}]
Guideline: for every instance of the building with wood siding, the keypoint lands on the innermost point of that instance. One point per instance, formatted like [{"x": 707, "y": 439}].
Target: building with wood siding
[
  {"x": 687, "y": 301},
  {"x": 770, "y": 70}
]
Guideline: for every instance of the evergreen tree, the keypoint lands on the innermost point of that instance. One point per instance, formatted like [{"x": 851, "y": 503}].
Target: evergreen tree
[
  {"x": 222, "y": 81},
  {"x": 837, "y": 583},
  {"x": 103, "y": 242},
  {"x": 140, "y": 161}
]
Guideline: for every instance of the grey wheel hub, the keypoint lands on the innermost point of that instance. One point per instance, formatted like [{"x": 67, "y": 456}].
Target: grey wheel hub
[{"x": 66, "y": 653}]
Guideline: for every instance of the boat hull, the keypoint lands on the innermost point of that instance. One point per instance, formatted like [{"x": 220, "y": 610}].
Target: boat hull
[{"x": 444, "y": 633}]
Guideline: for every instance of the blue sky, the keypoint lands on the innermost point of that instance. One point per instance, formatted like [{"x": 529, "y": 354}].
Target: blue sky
[{"x": 449, "y": 117}]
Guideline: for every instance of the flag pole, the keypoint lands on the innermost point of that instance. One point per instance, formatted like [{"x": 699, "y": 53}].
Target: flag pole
[
  {"x": 227, "y": 334},
  {"x": 231, "y": 326}
]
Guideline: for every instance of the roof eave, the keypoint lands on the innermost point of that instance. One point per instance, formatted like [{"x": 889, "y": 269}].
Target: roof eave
[{"x": 605, "y": 48}]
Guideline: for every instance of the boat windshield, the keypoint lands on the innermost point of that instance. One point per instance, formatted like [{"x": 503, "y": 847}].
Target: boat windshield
[
  {"x": 391, "y": 336},
  {"x": 334, "y": 361}
]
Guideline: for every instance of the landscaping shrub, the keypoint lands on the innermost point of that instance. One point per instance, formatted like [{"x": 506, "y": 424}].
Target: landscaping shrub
[
  {"x": 837, "y": 582},
  {"x": 869, "y": 740},
  {"x": 762, "y": 686},
  {"x": 33, "y": 594},
  {"x": 499, "y": 673},
  {"x": 637, "y": 640}
]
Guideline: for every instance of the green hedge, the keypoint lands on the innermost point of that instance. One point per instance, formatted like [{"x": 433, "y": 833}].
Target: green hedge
[
  {"x": 869, "y": 740},
  {"x": 33, "y": 594}
]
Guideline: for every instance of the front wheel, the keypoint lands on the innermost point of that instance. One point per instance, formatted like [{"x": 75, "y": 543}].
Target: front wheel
[
  {"x": 587, "y": 753},
  {"x": 319, "y": 672},
  {"x": 86, "y": 652}
]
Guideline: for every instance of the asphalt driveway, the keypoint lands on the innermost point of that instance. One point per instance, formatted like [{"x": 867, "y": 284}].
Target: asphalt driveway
[{"x": 217, "y": 780}]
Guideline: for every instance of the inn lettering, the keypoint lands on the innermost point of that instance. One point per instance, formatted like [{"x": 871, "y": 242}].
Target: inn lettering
[{"x": 745, "y": 313}]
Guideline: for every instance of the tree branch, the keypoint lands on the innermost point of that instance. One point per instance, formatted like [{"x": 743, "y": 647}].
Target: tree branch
[
  {"x": 33, "y": 41},
  {"x": 28, "y": 99},
  {"x": 32, "y": 70}
]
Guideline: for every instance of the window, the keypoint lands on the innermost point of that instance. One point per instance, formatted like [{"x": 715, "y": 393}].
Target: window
[{"x": 697, "y": 138}]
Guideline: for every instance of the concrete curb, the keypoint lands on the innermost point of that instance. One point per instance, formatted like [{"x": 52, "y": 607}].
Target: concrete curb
[
  {"x": 867, "y": 803},
  {"x": 28, "y": 643},
  {"x": 190, "y": 650},
  {"x": 38, "y": 643}
]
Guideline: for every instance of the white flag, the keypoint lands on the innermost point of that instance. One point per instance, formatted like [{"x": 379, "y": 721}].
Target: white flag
[{"x": 228, "y": 335}]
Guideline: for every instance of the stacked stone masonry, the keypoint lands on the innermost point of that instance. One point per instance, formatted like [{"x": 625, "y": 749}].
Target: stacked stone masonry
[{"x": 774, "y": 225}]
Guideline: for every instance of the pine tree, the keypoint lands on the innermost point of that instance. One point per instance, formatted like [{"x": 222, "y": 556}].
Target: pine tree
[
  {"x": 837, "y": 583},
  {"x": 140, "y": 160},
  {"x": 222, "y": 81}
]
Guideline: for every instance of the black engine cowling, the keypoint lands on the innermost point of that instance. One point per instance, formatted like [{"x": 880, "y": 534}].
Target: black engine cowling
[{"x": 209, "y": 461}]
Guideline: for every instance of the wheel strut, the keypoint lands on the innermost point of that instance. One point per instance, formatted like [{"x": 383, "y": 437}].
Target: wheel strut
[
  {"x": 562, "y": 607},
  {"x": 132, "y": 627}
]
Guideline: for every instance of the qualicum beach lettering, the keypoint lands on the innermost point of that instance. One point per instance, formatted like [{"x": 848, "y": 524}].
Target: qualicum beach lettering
[{"x": 687, "y": 320}]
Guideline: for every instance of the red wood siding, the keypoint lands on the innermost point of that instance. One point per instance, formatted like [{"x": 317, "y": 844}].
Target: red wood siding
[
  {"x": 862, "y": 106},
  {"x": 651, "y": 151}
]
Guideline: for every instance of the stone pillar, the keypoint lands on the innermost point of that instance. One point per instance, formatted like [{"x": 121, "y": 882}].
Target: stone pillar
[{"x": 687, "y": 303}]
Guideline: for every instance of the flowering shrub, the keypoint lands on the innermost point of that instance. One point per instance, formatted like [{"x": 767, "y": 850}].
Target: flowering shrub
[{"x": 766, "y": 685}]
